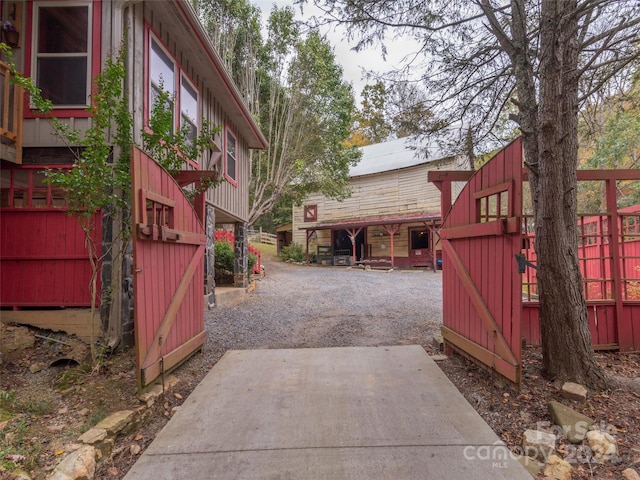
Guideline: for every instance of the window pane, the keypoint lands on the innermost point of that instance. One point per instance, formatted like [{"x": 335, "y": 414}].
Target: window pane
[
  {"x": 21, "y": 178},
  {"x": 231, "y": 145},
  {"x": 39, "y": 179},
  {"x": 189, "y": 102},
  {"x": 231, "y": 167},
  {"x": 161, "y": 68},
  {"x": 193, "y": 130},
  {"x": 63, "y": 80},
  {"x": 231, "y": 156},
  {"x": 64, "y": 29}
]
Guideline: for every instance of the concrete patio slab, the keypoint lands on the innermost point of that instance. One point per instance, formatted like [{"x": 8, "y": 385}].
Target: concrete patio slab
[{"x": 331, "y": 413}]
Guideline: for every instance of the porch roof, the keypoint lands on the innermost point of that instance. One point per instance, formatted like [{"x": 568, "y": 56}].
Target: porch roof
[{"x": 366, "y": 222}]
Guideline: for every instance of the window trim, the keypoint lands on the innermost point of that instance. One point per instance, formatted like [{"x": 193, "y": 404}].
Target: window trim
[
  {"x": 310, "y": 213},
  {"x": 93, "y": 55},
  {"x": 233, "y": 180}
]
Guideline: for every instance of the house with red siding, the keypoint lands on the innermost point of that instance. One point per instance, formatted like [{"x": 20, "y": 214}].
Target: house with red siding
[{"x": 44, "y": 267}]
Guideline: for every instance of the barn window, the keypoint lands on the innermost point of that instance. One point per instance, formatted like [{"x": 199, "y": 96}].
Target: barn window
[
  {"x": 62, "y": 53},
  {"x": 310, "y": 213}
]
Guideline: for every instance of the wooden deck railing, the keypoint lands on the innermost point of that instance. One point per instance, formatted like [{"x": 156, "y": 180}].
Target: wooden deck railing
[{"x": 10, "y": 117}]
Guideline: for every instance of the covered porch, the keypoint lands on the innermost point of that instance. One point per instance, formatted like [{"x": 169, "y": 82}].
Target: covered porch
[{"x": 399, "y": 241}]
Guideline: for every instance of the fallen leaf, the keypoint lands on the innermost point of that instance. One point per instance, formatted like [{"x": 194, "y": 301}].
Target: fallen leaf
[
  {"x": 59, "y": 451},
  {"x": 112, "y": 471},
  {"x": 178, "y": 396},
  {"x": 138, "y": 437}
]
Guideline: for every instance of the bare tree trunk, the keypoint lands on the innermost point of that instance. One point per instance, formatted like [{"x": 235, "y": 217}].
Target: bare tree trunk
[{"x": 566, "y": 338}]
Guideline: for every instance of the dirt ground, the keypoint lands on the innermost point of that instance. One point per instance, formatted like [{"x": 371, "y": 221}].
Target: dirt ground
[{"x": 47, "y": 398}]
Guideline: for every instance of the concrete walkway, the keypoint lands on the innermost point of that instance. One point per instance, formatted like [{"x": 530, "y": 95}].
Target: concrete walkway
[{"x": 326, "y": 414}]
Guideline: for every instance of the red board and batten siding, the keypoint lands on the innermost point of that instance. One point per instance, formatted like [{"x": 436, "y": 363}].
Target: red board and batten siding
[
  {"x": 481, "y": 284},
  {"x": 168, "y": 271},
  {"x": 43, "y": 257}
]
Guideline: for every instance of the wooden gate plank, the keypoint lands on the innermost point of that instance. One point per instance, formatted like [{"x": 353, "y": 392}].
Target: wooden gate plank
[
  {"x": 483, "y": 311},
  {"x": 172, "y": 359},
  {"x": 172, "y": 311}
]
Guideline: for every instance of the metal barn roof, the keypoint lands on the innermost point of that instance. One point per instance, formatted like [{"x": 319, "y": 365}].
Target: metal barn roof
[{"x": 392, "y": 155}]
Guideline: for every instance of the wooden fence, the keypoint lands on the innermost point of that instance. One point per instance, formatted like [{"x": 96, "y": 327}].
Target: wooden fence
[{"x": 258, "y": 236}]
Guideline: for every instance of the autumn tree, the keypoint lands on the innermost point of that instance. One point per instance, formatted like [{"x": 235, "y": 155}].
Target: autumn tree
[{"x": 543, "y": 59}]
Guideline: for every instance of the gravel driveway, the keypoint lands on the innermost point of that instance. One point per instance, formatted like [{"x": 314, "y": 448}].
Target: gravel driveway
[{"x": 312, "y": 306}]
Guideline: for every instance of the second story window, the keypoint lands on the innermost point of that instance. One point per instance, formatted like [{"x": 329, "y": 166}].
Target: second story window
[
  {"x": 189, "y": 109},
  {"x": 231, "y": 166},
  {"x": 167, "y": 77},
  {"x": 161, "y": 75},
  {"x": 61, "y": 57}
]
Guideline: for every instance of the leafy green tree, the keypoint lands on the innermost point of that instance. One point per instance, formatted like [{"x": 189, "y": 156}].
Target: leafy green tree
[
  {"x": 546, "y": 58},
  {"x": 306, "y": 115},
  {"x": 295, "y": 89}
]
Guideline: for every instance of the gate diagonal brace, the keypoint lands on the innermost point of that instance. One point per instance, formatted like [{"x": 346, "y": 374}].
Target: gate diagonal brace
[{"x": 523, "y": 263}]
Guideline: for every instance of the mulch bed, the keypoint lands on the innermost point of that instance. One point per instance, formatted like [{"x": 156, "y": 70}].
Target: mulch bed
[{"x": 510, "y": 412}]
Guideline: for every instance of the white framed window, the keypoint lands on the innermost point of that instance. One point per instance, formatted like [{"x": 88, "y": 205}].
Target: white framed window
[
  {"x": 162, "y": 76},
  {"x": 231, "y": 163},
  {"x": 189, "y": 108},
  {"x": 62, "y": 52}
]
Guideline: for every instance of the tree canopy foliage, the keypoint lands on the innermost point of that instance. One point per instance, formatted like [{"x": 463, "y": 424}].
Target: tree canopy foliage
[
  {"x": 490, "y": 66},
  {"x": 295, "y": 90}
]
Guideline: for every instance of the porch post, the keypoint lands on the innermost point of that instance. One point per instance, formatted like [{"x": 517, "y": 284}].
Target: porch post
[
  {"x": 240, "y": 262},
  {"x": 352, "y": 236},
  {"x": 310, "y": 232},
  {"x": 392, "y": 230}
]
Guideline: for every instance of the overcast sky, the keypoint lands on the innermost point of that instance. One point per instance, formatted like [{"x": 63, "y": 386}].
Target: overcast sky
[{"x": 352, "y": 62}]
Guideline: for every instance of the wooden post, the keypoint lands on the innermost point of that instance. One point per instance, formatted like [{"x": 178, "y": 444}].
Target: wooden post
[
  {"x": 625, "y": 332},
  {"x": 392, "y": 230},
  {"x": 352, "y": 235}
]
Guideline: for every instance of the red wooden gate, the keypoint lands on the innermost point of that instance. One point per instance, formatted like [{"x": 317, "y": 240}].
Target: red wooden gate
[
  {"x": 481, "y": 284},
  {"x": 168, "y": 247}
]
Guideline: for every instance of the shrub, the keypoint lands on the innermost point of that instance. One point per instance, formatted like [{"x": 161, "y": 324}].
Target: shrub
[
  {"x": 224, "y": 256},
  {"x": 293, "y": 252}
]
